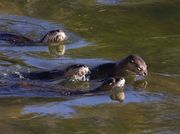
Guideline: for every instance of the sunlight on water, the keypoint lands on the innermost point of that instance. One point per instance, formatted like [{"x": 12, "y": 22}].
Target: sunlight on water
[
  {"x": 65, "y": 108},
  {"x": 99, "y": 31}
]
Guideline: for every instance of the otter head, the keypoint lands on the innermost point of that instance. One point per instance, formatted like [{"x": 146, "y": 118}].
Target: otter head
[
  {"x": 136, "y": 64},
  {"x": 78, "y": 72},
  {"x": 54, "y": 36},
  {"x": 113, "y": 83}
]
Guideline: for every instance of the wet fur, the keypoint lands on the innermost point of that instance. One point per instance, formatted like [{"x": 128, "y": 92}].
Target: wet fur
[
  {"x": 37, "y": 88},
  {"x": 12, "y": 38},
  {"x": 103, "y": 71},
  {"x": 54, "y": 36}
]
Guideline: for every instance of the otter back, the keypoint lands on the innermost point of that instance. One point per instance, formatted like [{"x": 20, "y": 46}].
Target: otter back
[{"x": 12, "y": 38}]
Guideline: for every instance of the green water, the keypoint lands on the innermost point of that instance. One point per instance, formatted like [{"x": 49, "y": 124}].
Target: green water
[{"x": 100, "y": 31}]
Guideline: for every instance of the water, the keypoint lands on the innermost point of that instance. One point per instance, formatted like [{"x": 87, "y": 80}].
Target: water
[{"x": 99, "y": 31}]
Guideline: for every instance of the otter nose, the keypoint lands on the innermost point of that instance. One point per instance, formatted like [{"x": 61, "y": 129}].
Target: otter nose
[{"x": 145, "y": 73}]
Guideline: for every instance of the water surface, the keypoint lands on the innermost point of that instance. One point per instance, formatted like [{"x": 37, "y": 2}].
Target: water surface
[{"x": 99, "y": 31}]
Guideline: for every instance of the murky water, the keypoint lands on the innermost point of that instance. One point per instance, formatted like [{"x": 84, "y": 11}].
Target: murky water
[{"x": 98, "y": 31}]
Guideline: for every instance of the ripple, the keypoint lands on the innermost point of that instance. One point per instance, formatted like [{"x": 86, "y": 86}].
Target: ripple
[
  {"x": 109, "y": 2},
  {"x": 36, "y": 28},
  {"x": 67, "y": 109},
  {"x": 34, "y": 55}
]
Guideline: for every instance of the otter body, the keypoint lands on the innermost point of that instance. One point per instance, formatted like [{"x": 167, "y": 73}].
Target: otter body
[
  {"x": 12, "y": 38},
  {"x": 77, "y": 72},
  {"x": 131, "y": 63},
  {"x": 103, "y": 71},
  {"x": 45, "y": 75},
  {"x": 38, "y": 89},
  {"x": 54, "y": 36}
]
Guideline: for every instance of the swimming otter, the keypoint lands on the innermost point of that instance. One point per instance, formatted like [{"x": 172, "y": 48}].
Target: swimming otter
[
  {"x": 25, "y": 87},
  {"x": 77, "y": 72},
  {"x": 131, "y": 63},
  {"x": 54, "y": 36},
  {"x": 109, "y": 84}
]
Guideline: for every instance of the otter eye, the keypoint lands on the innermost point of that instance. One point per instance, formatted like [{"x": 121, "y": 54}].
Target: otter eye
[
  {"x": 140, "y": 69},
  {"x": 110, "y": 83},
  {"x": 131, "y": 61}
]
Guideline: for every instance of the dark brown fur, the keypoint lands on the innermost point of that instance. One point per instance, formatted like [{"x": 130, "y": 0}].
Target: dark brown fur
[
  {"x": 45, "y": 89},
  {"x": 50, "y": 37},
  {"x": 123, "y": 67}
]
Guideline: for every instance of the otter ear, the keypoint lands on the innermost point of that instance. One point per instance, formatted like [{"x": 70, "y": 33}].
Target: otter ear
[{"x": 131, "y": 58}]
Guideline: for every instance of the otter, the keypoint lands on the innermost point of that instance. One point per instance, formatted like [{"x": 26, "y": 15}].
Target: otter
[
  {"x": 54, "y": 36},
  {"x": 77, "y": 72},
  {"x": 25, "y": 87},
  {"x": 131, "y": 63}
]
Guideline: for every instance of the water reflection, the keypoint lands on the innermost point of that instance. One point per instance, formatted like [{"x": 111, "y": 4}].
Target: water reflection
[
  {"x": 67, "y": 108},
  {"x": 116, "y": 31},
  {"x": 140, "y": 84},
  {"x": 109, "y": 2},
  {"x": 118, "y": 94},
  {"x": 36, "y": 55},
  {"x": 56, "y": 49}
]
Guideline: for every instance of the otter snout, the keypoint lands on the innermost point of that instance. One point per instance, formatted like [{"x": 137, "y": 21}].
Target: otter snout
[
  {"x": 145, "y": 73},
  {"x": 142, "y": 72},
  {"x": 120, "y": 82},
  {"x": 137, "y": 65}
]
